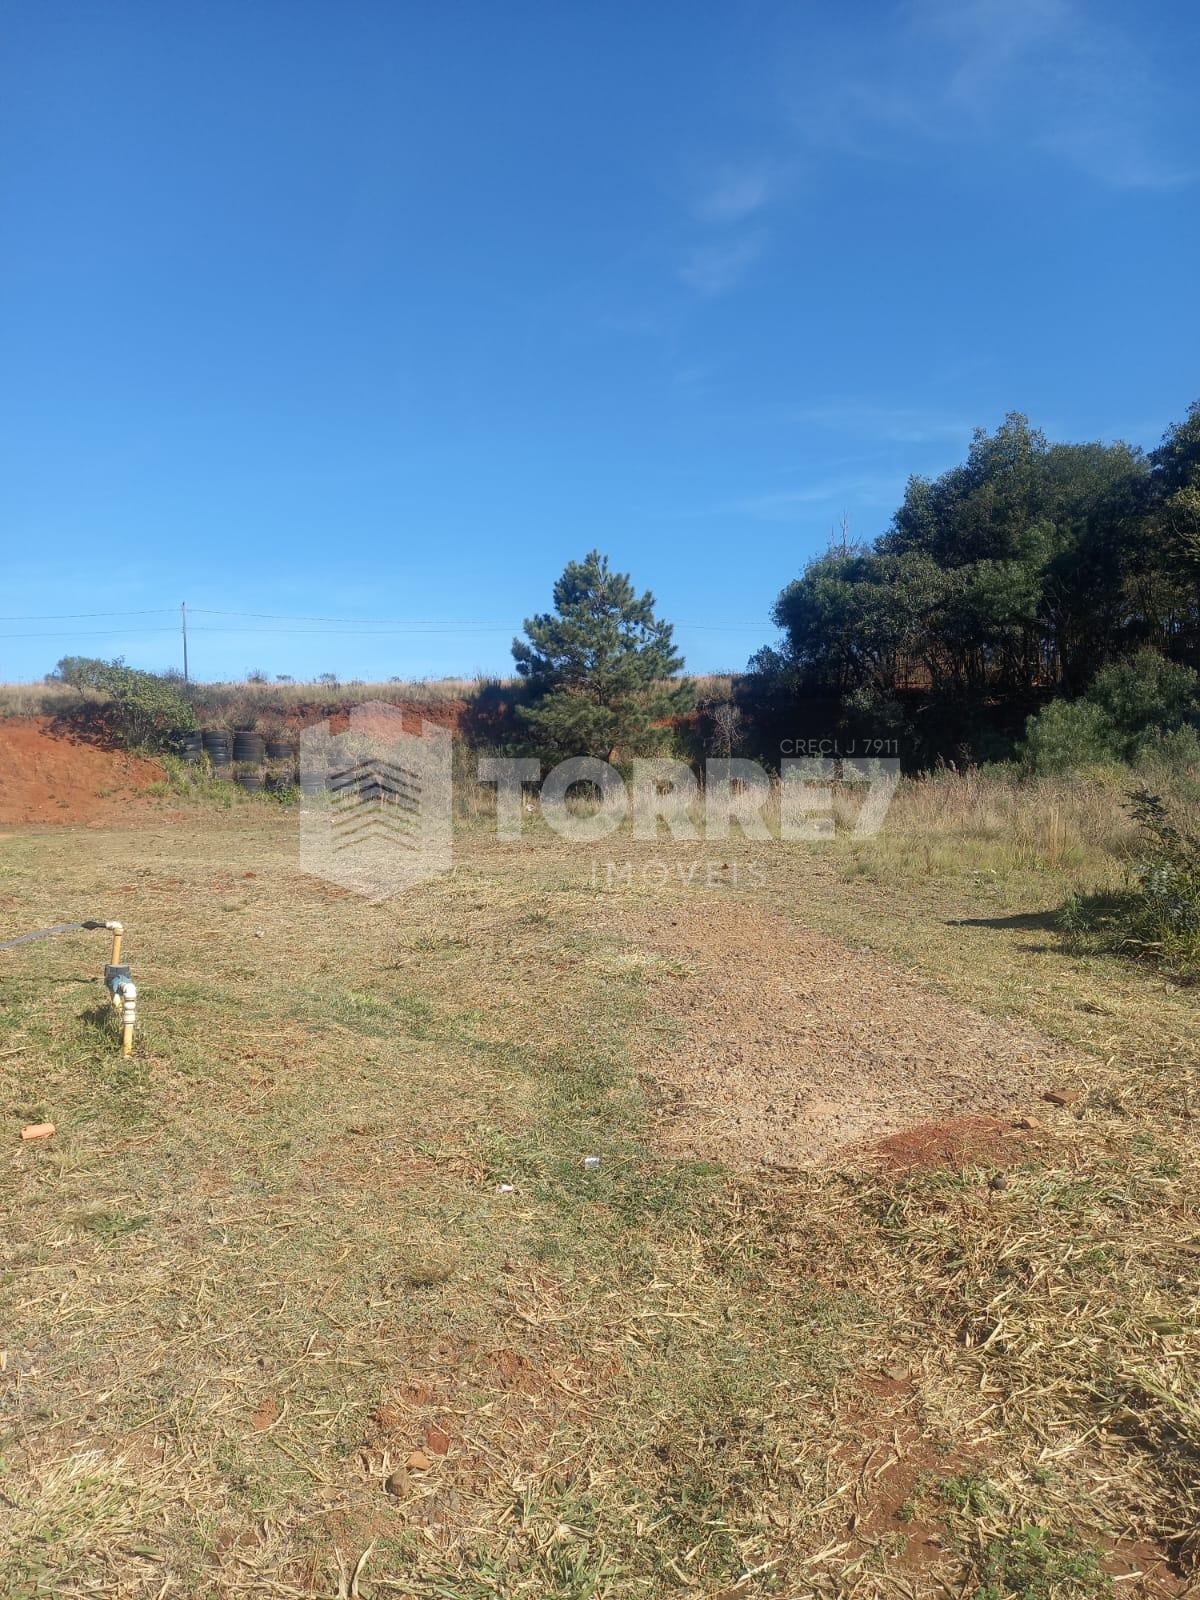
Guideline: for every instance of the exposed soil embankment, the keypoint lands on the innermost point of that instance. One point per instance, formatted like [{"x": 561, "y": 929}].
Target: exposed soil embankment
[
  {"x": 47, "y": 776},
  {"x": 379, "y": 716}
]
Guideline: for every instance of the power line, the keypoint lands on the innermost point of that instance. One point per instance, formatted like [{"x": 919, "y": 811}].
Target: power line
[
  {"x": 73, "y": 616},
  {"x": 275, "y": 616},
  {"x": 262, "y": 633},
  {"x": 268, "y": 633},
  {"x": 449, "y": 627},
  {"x": 91, "y": 633},
  {"x": 400, "y": 624},
  {"x": 353, "y": 625},
  {"x": 330, "y": 627},
  {"x": 409, "y": 630},
  {"x": 404, "y": 632}
]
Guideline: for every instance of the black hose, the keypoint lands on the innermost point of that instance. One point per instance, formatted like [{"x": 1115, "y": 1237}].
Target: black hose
[{"x": 44, "y": 933}]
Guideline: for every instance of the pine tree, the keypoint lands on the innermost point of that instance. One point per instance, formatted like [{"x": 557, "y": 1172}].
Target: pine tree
[{"x": 597, "y": 667}]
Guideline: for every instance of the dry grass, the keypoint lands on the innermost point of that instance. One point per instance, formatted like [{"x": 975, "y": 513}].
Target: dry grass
[
  {"x": 275, "y": 1327},
  {"x": 43, "y": 699},
  {"x": 235, "y": 699},
  {"x": 257, "y": 704},
  {"x": 1051, "y": 1331},
  {"x": 258, "y": 1269},
  {"x": 265, "y": 704},
  {"x": 1000, "y": 821}
]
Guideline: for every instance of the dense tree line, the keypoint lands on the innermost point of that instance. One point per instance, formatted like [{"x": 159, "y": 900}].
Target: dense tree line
[
  {"x": 1038, "y": 595},
  {"x": 1013, "y": 578}
]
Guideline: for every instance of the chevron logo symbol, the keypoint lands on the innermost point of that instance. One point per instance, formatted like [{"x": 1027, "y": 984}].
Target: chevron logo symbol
[
  {"x": 380, "y": 819},
  {"x": 375, "y": 798}
]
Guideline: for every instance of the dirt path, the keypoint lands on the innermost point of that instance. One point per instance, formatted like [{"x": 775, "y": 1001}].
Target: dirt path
[{"x": 799, "y": 1047}]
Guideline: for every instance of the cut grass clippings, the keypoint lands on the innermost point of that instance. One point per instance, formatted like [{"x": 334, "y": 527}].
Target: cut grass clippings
[{"x": 317, "y": 1294}]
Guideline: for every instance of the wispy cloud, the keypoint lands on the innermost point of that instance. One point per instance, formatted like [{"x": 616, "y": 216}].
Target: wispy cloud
[
  {"x": 784, "y": 505},
  {"x": 1048, "y": 78},
  {"x": 1035, "y": 75},
  {"x": 734, "y": 193},
  {"x": 724, "y": 204},
  {"x": 1082, "y": 87},
  {"x": 888, "y": 424},
  {"x": 716, "y": 268},
  {"x": 697, "y": 376},
  {"x": 990, "y": 39}
]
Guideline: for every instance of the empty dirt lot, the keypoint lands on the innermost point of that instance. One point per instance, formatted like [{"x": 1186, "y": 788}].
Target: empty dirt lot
[{"x": 318, "y": 1295}]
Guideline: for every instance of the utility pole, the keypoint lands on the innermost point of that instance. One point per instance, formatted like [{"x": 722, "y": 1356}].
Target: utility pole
[{"x": 183, "y": 623}]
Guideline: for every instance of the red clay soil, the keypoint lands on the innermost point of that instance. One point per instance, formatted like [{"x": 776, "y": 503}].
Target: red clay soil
[
  {"x": 48, "y": 777},
  {"x": 290, "y": 721},
  {"x": 413, "y": 713},
  {"x": 957, "y": 1143}
]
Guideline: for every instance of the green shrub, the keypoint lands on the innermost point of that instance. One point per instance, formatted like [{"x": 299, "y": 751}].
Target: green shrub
[
  {"x": 1158, "y": 916},
  {"x": 1177, "y": 751},
  {"x": 1168, "y": 876},
  {"x": 142, "y": 708},
  {"x": 1069, "y": 735},
  {"x": 196, "y": 780},
  {"x": 1136, "y": 710},
  {"x": 1144, "y": 696}
]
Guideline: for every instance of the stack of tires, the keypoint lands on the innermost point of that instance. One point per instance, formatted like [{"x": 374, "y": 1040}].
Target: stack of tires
[
  {"x": 281, "y": 763},
  {"x": 249, "y": 753},
  {"x": 216, "y": 746},
  {"x": 248, "y": 745},
  {"x": 252, "y": 761}
]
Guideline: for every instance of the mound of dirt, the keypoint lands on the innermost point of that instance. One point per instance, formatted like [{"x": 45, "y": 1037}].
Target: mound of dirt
[
  {"x": 799, "y": 1048},
  {"x": 963, "y": 1141},
  {"x": 46, "y": 776}
]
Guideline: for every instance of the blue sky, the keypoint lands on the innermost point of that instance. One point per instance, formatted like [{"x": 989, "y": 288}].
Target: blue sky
[{"x": 386, "y": 310}]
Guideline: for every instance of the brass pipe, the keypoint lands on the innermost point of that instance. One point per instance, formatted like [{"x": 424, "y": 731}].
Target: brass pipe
[
  {"x": 128, "y": 1016},
  {"x": 124, "y": 994}
]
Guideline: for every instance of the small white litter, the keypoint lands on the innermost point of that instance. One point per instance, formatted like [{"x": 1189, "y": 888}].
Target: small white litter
[{"x": 590, "y": 1163}]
